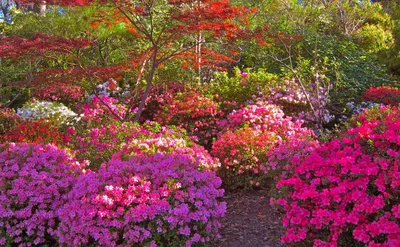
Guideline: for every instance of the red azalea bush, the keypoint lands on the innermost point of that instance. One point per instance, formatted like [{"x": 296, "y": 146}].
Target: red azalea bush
[
  {"x": 192, "y": 111},
  {"x": 385, "y": 95},
  {"x": 38, "y": 131},
  {"x": 58, "y": 91},
  {"x": 34, "y": 180},
  {"x": 249, "y": 135},
  {"x": 154, "y": 192},
  {"x": 347, "y": 192}
]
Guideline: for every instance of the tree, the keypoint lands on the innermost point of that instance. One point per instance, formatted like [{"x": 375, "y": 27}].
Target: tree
[{"x": 162, "y": 30}]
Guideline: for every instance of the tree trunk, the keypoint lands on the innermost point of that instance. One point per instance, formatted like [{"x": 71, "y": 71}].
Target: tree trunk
[
  {"x": 41, "y": 8},
  {"x": 149, "y": 81}
]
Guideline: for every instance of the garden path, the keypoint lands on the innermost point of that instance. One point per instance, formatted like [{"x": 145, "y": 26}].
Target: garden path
[{"x": 250, "y": 221}]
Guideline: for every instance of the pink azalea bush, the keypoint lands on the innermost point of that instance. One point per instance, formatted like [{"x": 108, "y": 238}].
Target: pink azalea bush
[
  {"x": 293, "y": 100},
  {"x": 34, "y": 181},
  {"x": 153, "y": 192},
  {"x": 346, "y": 192},
  {"x": 245, "y": 143},
  {"x": 99, "y": 142},
  {"x": 100, "y": 109}
]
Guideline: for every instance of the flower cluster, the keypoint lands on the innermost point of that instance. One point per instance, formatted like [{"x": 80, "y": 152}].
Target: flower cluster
[
  {"x": 385, "y": 95},
  {"x": 34, "y": 182},
  {"x": 53, "y": 111},
  {"x": 244, "y": 144},
  {"x": 98, "y": 143},
  {"x": 38, "y": 131},
  {"x": 193, "y": 112},
  {"x": 293, "y": 99},
  {"x": 347, "y": 191},
  {"x": 101, "y": 109},
  {"x": 58, "y": 91},
  {"x": 154, "y": 192}
]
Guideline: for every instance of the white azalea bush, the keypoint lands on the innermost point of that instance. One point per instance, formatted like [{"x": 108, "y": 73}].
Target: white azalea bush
[{"x": 53, "y": 111}]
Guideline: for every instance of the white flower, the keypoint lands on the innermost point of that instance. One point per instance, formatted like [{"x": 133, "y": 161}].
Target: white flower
[{"x": 48, "y": 110}]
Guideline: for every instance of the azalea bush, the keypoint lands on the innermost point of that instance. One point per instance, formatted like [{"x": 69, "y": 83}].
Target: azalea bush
[
  {"x": 99, "y": 142},
  {"x": 385, "y": 95},
  {"x": 192, "y": 111},
  {"x": 51, "y": 111},
  {"x": 101, "y": 109},
  {"x": 58, "y": 91},
  {"x": 37, "y": 131},
  {"x": 346, "y": 192},
  {"x": 34, "y": 181},
  {"x": 248, "y": 135},
  {"x": 153, "y": 192},
  {"x": 309, "y": 104}
]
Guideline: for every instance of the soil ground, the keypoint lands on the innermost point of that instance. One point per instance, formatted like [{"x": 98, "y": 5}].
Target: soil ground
[{"x": 250, "y": 221}]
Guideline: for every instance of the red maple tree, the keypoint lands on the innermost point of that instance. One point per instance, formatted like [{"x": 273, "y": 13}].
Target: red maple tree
[{"x": 172, "y": 29}]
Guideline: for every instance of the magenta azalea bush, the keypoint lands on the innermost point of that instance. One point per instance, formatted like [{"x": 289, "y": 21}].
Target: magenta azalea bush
[
  {"x": 154, "y": 192},
  {"x": 245, "y": 144},
  {"x": 347, "y": 192},
  {"x": 34, "y": 180}
]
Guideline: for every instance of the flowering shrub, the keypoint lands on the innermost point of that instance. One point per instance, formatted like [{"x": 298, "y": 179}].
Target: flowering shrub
[
  {"x": 8, "y": 119},
  {"x": 248, "y": 135},
  {"x": 101, "y": 109},
  {"x": 293, "y": 100},
  {"x": 97, "y": 144},
  {"x": 53, "y": 111},
  {"x": 346, "y": 193},
  {"x": 385, "y": 95},
  {"x": 157, "y": 96},
  {"x": 33, "y": 184},
  {"x": 154, "y": 192},
  {"x": 58, "y": 91},
  {"x": 193, "y": 112},
  {"x": 39, "y": 131}
]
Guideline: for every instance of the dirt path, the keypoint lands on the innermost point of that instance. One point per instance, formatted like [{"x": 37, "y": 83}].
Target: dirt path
[{"x": 250, "y": 221}]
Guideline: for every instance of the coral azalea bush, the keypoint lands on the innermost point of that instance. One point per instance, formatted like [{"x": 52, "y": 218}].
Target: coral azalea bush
[
  {"x": 34, "y": 180},
  {"x": 155, "y": 192},
  {"x": 346, "y": 193}
]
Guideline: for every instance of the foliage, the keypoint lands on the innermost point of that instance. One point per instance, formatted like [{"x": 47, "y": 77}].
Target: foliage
[
  {"x": 346, "y": 191},
  {"x": 34, "y": 182},
  {"x": 8, "y": 119},
  {"x": 241, "y": 86}
]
